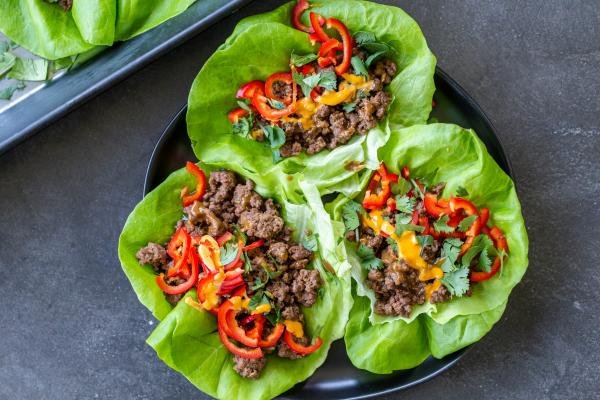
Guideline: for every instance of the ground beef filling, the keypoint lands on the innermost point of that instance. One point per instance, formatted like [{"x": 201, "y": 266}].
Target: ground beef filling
[
  {"x": 332, "y": 126},
  {"x": 229, "y": 204},
  {"x": 64, "y": 4},
  {"x": 397, "y": 286}
]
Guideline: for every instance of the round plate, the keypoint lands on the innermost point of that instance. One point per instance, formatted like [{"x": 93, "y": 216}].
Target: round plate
[{"x": 337, "y": 378}]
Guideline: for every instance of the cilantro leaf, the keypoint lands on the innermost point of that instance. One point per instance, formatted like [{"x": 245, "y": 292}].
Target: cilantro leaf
[
  {"x": 244, "y": 104},
  {"x": 484, "y": 261},
  {"x": 275, "y": 135},
  {"x": 450, "y": 251},
  {"x": 359, "y": 66},
  {"x": 362, "y": 37},
  {"x": 276, "y": 104},
  {"x": 417, "y": 189},
  {"x": 405, "y": 204},
  {"x": 349, "y": 107},
  {"x": 374, "y": 57},
  {"x": 259, "y": 298},
  {"x": 425, "y": 240},
  {"x": 367, "y": 258},
  {"x": 247, "y": 265},
  {"x": 300, "y": 60},
  {"x": 310, "y": 242},
  {"x": 274, "y": 316},
  {"x": 479, "y": 243},
  {"x": 403, "y": 219},
  {"x": 466, "y": 223},
  {"x": 328, "y": 80},
  {"x": 401, "y": 187},
  {"x": 461, "y": 191},
  {"x": 441, "y": 225},
  {"x": 299, "y": 80},
  {"x": 457, "y": 282},
  {"x": 350, "y": 213},
  {"x": 243, "y": 126},
  {"x": 400, "y": 228},
  {"x": 228, "y": 253}
]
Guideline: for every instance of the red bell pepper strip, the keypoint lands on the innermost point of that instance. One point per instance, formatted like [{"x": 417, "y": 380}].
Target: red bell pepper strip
[
  {"x": 182, "y": 287},
  {"x": 391, "y": 204},
  {"x": 458, "y": 203},
  {"x": 297, "y": 11},
  {"x": 254, "y": 245},
  {"x": 260, "y": 102},
  {"x": 424, "y": 222},
  {"x": 307, "y": 69},
  {"x": 242, "y": 352},
  {"x": 319, "y": 33},
  {"x": 236, "y": 114},
  {"x": 484, "y": 214},
  {"x": 330, "y": 46},
  {"x": 405, "y": 173},
  {"x": 259, "y": 326},
  {"x": 325, "y": 62},
  {"x": 415, "y": 217},
  {"x": 500, "y": 242},
  {"x": 499, "y": 238},
  {"x": 230, "y": 285},
  {"x": 179, "y": 244},
  {"x": 297, "y": 347},
  {"x": 224, "y": 238},
  {"x": 432, "y": 206},
  {"x": 237, "y": 332},
  {"x": 478, "y": 276},
  {"x": 372, "y": 200},
  {"x": 285, "y": 77},
  {"x": 247, "y": 90},
  {"x": 347, "y": 41},
  {"x": 206, "y": 280},
  {"x": 200, "y": 186},
  {"x": 274, "y": 336}
]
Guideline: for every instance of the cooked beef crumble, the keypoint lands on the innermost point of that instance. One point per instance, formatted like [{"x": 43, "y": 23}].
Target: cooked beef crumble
[
  {"x": 332, "y": 126},
  {"x": 65, "y": 4},
  {"x": 229, "y": 204}
]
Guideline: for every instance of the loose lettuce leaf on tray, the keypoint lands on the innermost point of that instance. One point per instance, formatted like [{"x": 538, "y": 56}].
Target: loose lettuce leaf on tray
[
  {"x": 187, "y": 339},
  {"x": 445, "y": 153},
  {"x": 262, "y": 45},
  {"x": 42, "y": 28}
]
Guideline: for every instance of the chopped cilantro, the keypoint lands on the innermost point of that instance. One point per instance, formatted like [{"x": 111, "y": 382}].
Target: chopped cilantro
[
  {"x": 276, "y": 104},
  {"x": 326, "y": 79},
  {"x": 374, "y": 57},
  {"x": 441, "y": 224},
  {"x": 401, "y": 187},
  {"x": 405, "y": 204},
  {"x": 242, "y": 127},
  {"x": 461, "y": 191},
  {"x": 300, "y": 60},
  {"x": 484, "y": 261},
  {"x": 417, "y": 189},
  {"x": 457, "y": 282},
  {"x": 466, "y": 223},
  {"x": 479, "y": 243},
  {"x": 245, "y": 105},
  {"x": 367, "y": 258},
  {"x": 403, "y": 219},
  {"x": 350, "y": 213},
  {"x": 400, "y": 228},
  {"x": 275, "y": 135},
  {"x": 259, "y": 298},
  {"x": 228, "y": 253},
  {"x": 274, "y": 317},
  {"x": 247, "y": 265},
  {"x": 450, "y": 251},
  {"x": 425, "y": 240},
  {"x": 359, "y": 66},
  {"x": 276, "y": 155}
]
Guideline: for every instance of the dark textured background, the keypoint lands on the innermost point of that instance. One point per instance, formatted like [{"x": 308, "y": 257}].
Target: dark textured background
[{"x": 71, "y": 327}]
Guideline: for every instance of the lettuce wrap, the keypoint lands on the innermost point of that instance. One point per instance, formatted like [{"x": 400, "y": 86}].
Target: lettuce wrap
[
  {"x": 438, "y": 153},
  {"x": 187, "y": 339},
  {"x": 49, "y": 31},
  {"x": 261, "y": 45}
]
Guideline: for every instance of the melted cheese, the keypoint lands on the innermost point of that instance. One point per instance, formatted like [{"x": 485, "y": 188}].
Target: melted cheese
[
  {"x": 332, "y": 98},
  {"x": 305, "y": 108},
  {"x": 294, "y": 327},
  {"x": 240, "y": 303},
  {"x": 262, "y": 309},
  {"x": 408, "y": 250}
]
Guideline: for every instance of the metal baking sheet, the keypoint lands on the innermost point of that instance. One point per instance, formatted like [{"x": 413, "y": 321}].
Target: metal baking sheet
[{"x": 42, "y": 103}]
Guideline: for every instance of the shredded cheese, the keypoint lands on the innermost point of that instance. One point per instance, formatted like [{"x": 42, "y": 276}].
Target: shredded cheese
[{"x": 262, "y": 309}]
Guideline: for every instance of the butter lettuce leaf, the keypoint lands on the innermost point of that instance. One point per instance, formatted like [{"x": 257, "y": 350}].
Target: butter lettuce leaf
[
  {"x": 261, "y": 45},
  {"x": 451, "y": 154}
]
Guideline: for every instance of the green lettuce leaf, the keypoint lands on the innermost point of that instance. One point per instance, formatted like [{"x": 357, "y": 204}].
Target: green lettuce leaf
[
  {"x": 447, "y": 153},
  {"x": 96, "y": 20},
  {"x": 42, "y": 28},
  {"x": 135, "y": 17},
  {"x": 261, "y": 45},
  {"x": 187, "y": 340}
]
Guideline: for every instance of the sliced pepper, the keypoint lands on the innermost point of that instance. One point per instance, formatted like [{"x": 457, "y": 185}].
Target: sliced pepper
[
  {"x": 201, "y": 292},
  {"x": 479, "y": 276},
  {"x": 200, "y": 186},
  {"x": 319, "y": 33},
  {"x": 297, "y": 347},
  {"x": 182, "y": 287},
  {"x": 284, "y": 77},
  {"x": 251, "y": 354},
  {"x": 297, "y": 11},
  {"x": 237, "y": 332},
  {"x": 237, "y": 260},
  {"x": 247, "y": 90},
  {"x": 432, "y": 206},
  {"x": 273, "y": 338},
  {"x": 260, "y": 102},
  {"x": 347, "y": 42},
  {"x": 179, "y": 244},
  {"x": 254, "y": 245},
  {"x": 373, "y": 200},
  {"x": 458, "y": 203},
  {"x": 236, "y": 114},
  {"x": 224, "y": 238}
]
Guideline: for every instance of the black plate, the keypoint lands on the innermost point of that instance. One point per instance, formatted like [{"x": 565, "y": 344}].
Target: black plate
[
  {"x": 52, "y": 99},
  {"x": 337, "y": 378}
]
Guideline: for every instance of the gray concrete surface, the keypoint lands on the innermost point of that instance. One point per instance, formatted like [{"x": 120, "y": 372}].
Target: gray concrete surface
[{"x": 71, "y": 327}]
